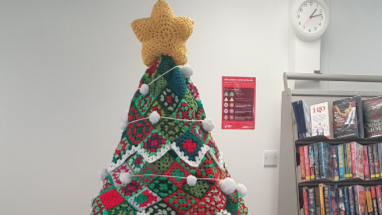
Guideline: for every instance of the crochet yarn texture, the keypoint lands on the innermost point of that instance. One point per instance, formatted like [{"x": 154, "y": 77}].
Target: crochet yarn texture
[{"x": 163, "y": 34}]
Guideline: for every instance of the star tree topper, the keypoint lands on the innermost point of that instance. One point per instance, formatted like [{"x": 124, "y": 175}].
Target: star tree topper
[{"x": 163, "y": 34}]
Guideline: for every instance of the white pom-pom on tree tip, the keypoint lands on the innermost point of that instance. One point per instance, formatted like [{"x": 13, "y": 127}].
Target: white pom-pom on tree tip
[
  {"x": 242, "y": 189},
  {"x": 187, "y": 70},
  {"x": 125, "y": 177},
  {"x": 144, "y": 89},
  {"x": 124, "y": 121},
  {"x": 227, "y": 185},
  {"x": 208, "y": 125},
  {"x": 102, "y": 174},
  {"x": 154, "y": 117},
  {"x": 191, "y": 180}
]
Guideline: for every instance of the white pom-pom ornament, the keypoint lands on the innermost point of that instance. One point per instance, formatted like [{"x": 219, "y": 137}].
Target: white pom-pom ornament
[
  {"x": 208, "y": 125},
  {"x": 187, "y": 71},
  {"x": 191, "y": 180},
  {"x": 154, "y": 117},
  {"x": 227, "y": 185},
  {"x": 125, "y": 178},
  {"x": 144, "y": 89},
  {"x": 242, "y": 189},
  {"x": 102, "y": 174}
]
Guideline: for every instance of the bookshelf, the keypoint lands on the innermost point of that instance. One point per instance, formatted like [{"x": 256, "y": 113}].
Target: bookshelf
[{"x": 290, "y": 198}]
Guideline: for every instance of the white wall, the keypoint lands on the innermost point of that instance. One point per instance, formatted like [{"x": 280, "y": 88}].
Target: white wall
[{"x": 68, "y": 70}]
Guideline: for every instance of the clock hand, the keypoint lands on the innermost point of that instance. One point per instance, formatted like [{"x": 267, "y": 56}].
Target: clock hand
[
  {"x": 309, "y": 17},
  {"x": 317, "y": 15}
]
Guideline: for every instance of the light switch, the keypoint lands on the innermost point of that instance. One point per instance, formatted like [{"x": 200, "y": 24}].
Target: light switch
[{"x": 270, "y": 158}]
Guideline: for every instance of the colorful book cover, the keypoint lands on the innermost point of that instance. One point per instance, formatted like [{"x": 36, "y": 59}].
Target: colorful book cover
[
  {"x": 376, "y": 160},
  {"x": 348, "y": 163},
  {"x": 316, "y": 161},
  {"x": 307, "y": 118},
  {"x": 307, "y": 167},
  {"x": 359, "y": 113},
  {"x": 336, "y": 175},
  {"x": 351, "y": 200},
  {"x": 379, "y": 158},
  {"x": 344, "y": 119},
  {"x": 366, "y": 163},
  {"x": 326, "y": 197},
  {"x": 320, "y": 119},
  {"x": 317, "y": 199},
  {"x": 362, "y": 200},
  {"x": 341, "y": 169},
  {"x": 372, "y": 113},
  {"x": 341, "y": 200},
  {"x": 359, "y": 161},
  {"x": 346, "y": 200},
  {"x": 305, "y": 197},
  {"x": 324, "y": 157},
  {"x": 374, "y": 200},
  {"x": 322, "y": 198},
  {"x": 311, "y": 202},
  {"x": 371, "y": 163},
  {"x": 302, "y": 163},
  {"x": 353, "y": 155},
  {"x": 378, "y": 190},
  {"x": 369, "y": 202},
  {"x": 311, "y": 161},
  {"x": 333, "y": 199}
]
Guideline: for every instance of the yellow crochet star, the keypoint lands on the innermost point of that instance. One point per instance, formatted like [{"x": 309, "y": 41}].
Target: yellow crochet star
[{"x": 163, "y": 34}]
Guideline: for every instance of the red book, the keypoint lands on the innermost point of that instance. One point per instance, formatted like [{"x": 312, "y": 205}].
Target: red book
[
  {"x": 366, "y": 163},
  {"x": 353, "y": 165},
  {"x": 379, "y": 198},
  {"x": 305, "y": 196},
  {"x": 307, "y": 169},
  {"x": 302, "y": 163}
]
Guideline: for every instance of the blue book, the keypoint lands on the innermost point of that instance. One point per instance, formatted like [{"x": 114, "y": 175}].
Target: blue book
[
  {"x": 316, "y": 161},
  {"x": 346, "y": 200},
  {"x": 351, "y": 200},
  {"x": 297, "y": 117},
  {"x": 340, "y": 158},
  {"x": 311, "y": 161},
  {"x": 325, "y": 160}
]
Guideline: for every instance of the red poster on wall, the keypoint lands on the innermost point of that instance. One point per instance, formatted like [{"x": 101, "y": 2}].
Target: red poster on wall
[{"x": 238, "y": 102}]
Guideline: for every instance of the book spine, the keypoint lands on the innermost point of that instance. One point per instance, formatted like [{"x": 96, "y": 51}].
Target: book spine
[
  {"x": 307, "y": 168},
  {"x": 311, "y": 201},
  {"x": 370, "y": 163},
  {"x": 356, "y": 200},
  {"x": 348, "y": 160},
  {"x": 341, "y": 201},
  {"x": 354, "y": 167},
  {"x": 379, "y": 198},
  {"x": 374, "y": 200},
  {"x": 305, "y": 196},
  {"x": 326, "y": 197},
  {"x": 380, "y": 156},
  {"x": 334, "y": 155},
  {"x": 376, "y": 160},
  {"x": 317, "y": 199},
  {"x": 351, "y": 200},
  {"x": 369, "y": 201},
  {"x": 326, "y": 161},
  {"x": 358, "y": 103},
  {"x": 341, "y": 162},
  {"x": 359, "y": 161},
  {"x": 297, "y": 118},
  {"x": 311, "y": 161},
  {"x": 316, "y": 161},
  {"x": 322, "y": 198},
  {"x": 366, "y": 163},
  {"x": 334, "y": 200},
  {"x": 302, "y": 162},
  {"x": 346, "y": 200}
]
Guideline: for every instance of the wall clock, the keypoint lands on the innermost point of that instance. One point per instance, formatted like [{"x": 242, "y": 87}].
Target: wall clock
[{"x": 309, "y": 19}]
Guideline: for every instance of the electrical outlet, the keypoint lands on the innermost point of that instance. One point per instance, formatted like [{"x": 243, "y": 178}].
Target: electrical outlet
[{"x": 270, "y": 158}]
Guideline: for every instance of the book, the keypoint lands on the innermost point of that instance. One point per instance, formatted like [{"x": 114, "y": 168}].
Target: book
[
  {"x": 374, "y": 200},
  {"x": 324, "y": 157},
  {"x": 322, "y": 198},
  {"x": 311, "y": 202},
  {"x": 376, "y": 160},
  {"x": 307, "y": 167},
  {"x": 348, "y": 162},
  {"x": 366, "y": 163},
  {"x": 344, "y": 119},
  {"x": 341, "y": 200},
  {"x": 320, "y": 119},
  {"x": 370, "y": 159},
  {"x": 369, "y": 202},
  {"x": 346, "y": 200},
  {"x": 358, "y": 111},
  {"x": 307, "y": 122},
  {"x": 333, "y": 199},
  {"x": 378, "y": 191},
  {"x": 297, "y": 118},
  {"x": 302, "y": 163},
  {"x": 380, "y": 156},
  {"x": 316, "y": 161},
  {"x": 326, "y": 198},
  {"x": 317, "y": 199},
  {"x": 357, "y": 160},
  {"x": 311, "y": 161},
  {"x": 336, "y": 175},
  {"x": 351, "y": 200},
  {"x": 372, "y": 113},
  {"x": 360, "y": 200},
  {"x": 305, "y": 197},
  {"x": 341, "y": 169}
]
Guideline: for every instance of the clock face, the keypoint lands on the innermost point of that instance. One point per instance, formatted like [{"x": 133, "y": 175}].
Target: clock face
[{"x": 310, "y": 17}]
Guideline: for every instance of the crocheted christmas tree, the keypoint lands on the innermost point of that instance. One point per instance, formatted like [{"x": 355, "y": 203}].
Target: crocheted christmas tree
[{"x": 167, "y": 161}]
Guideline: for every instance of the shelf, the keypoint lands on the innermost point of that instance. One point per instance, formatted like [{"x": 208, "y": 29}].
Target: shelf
[
  {"x": 351, "y": 181},
  {"x": 347, "y": 139}
]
